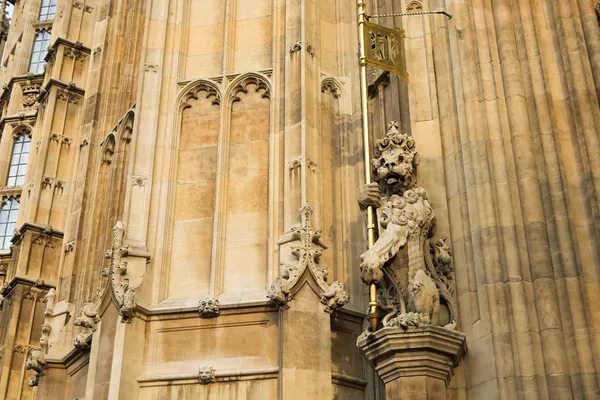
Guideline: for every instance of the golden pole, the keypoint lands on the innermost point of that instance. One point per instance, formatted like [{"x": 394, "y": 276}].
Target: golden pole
[{"x": 364, "y": 100}]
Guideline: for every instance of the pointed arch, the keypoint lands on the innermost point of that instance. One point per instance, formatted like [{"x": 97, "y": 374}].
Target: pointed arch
[
  {"x": 241, "y": 83},
  {"x": 192, "y": 159},
  {"x": 332, "y": 86},
  {"x": 193, "y": 89}
]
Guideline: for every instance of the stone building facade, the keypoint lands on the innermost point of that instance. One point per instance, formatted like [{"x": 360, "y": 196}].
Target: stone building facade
[{"x": 166, "y": 165}]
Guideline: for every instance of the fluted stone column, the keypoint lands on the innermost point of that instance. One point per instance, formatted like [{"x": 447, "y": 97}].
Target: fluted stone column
[{"x": 416, "y": 363}]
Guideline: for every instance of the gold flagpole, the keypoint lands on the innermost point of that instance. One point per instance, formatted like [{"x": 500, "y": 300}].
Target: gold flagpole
[{"x": 364, "y": 100}]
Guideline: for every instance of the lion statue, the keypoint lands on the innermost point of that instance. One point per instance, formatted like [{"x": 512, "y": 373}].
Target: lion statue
[{"x": 414, "y": 275}]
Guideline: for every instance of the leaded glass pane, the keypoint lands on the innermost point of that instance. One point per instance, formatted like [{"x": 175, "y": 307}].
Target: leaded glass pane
[{"x": 18, "y": 161}]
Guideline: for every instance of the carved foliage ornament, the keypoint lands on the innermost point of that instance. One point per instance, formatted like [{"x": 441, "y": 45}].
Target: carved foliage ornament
[
  {"x": 117, "y": 271},
  {"x": 35, "y": 358},
  {"x": 308, "y": 253},
  {"x": 88, "y": 320},
  {"x": 417, "y": 288}
]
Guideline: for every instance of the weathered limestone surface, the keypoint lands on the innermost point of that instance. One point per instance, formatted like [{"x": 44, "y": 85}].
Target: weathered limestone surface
[
  {"x": 414, "y": 363},
  {"x": 174, "y": 144}
]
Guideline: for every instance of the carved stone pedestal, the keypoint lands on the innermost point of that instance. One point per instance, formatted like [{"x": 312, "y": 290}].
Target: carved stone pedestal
[{"x": 416, "y": 363}]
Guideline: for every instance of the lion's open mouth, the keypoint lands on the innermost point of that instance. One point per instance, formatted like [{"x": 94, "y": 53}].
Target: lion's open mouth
[{"x": 393, "y": 178}]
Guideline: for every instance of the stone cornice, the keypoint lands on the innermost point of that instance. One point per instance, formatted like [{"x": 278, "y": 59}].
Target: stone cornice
[
  {"x": 425, "y": 351},
  {"x": 220, "y": 375},
  {"x": 27, "y": 281},
  {"x": 24, "y": 116},
  {"x": 162, "y": 312},
  {"x": 69, "y": 87},
  {"x": 27, "y": 226},
  {"x": 66, "y": 43},
  {"x": 6, "y": 89}
]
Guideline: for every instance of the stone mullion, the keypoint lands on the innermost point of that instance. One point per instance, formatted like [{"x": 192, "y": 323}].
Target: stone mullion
[
  {"x": 568, "y": 285},
  {"x": 544, "y": 286}
]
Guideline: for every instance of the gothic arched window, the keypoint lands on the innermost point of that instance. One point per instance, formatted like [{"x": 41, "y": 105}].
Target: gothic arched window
[
  {"x": 40, "y": 49},
  {"x": 47, "y": 10},
  {"x": 18, "y": 160},
  {"x": 8, "y": 220}
]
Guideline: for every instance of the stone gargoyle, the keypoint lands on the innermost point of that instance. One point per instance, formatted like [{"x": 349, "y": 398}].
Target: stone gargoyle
[{"x": 414, "y": 273}]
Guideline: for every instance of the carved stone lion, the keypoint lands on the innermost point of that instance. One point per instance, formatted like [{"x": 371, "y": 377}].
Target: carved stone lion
[
  {"x": 206, "y": 375},
  {"x": 412, "y": 272}
]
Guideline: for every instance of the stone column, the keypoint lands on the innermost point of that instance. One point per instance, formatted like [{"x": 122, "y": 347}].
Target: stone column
[{"x": 416, "y": 363}]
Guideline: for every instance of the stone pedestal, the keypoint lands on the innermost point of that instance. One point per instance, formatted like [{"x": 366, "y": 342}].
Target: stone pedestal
[{"x": 416, "y": 363}]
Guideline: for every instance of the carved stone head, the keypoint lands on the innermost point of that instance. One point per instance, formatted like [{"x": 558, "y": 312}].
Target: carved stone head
[
  {"x": 206, "y": 375},
  {"x": 395, "y": 162},
  {"x": 209, "y": 307}
]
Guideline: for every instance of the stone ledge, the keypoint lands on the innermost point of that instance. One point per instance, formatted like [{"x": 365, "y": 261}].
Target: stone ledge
[
  {"x": 430, "y": 351},
  {"x": 220, "y": 376}
]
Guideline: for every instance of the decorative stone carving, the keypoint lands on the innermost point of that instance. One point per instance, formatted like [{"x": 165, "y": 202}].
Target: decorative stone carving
[
  {"x": 88, "y": 319},
  {"x": 150, "y": 68},
  {"x": 209, "y": 307},
  {"x": 297, "y": 164},
  {"x": 35, "y": 358},
  {"x": 206, "y": 375},
  {"x": 335, "y": 297},
  {"x": 308, "y": 253},
  {"x": 210, "y": 89},
  {"x": 416, "y": 288},
  {"x": 118, "y": 269},
  {"x": 37, "y": 363},
  {"x": 69, "y": 247},
  {"x": 296, "y": 47},
  {"x": 3, "y": 293},
  {"x": 76, "y": 54},
  {"x": 31, "y": 93},
  {"x": 261, "y": 85},
  {"x": 331, "y": 86}
]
